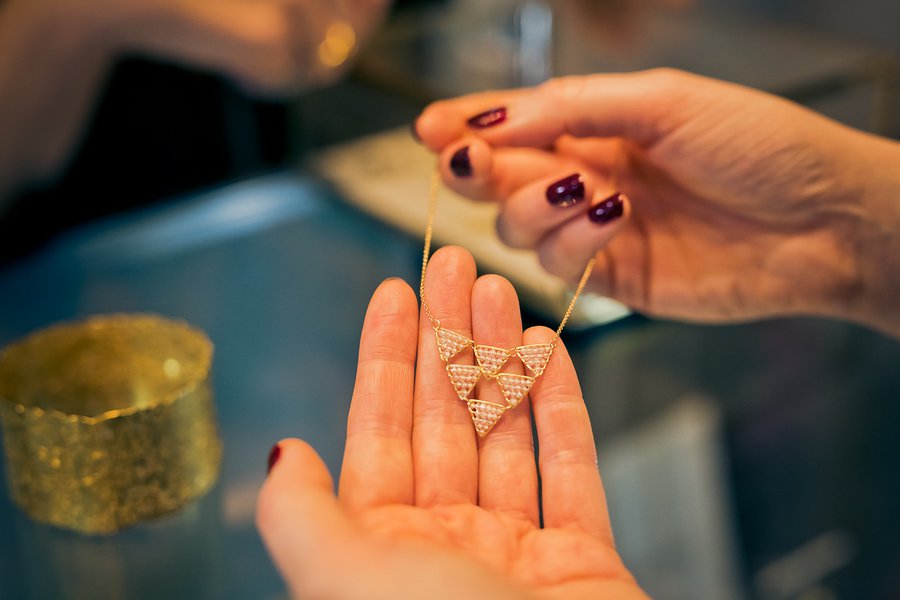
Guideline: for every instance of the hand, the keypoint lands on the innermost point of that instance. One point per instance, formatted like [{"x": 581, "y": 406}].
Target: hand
[
  {"x": 267, "y": 46},
  {"x": 737, "y": 204},
  {"x": 427, "y": 510},
  {"x": 54, "y": 55}
]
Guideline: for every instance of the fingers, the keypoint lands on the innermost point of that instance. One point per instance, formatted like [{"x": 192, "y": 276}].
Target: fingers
[
  {"x": 444, "y": 121},
  {"x": 444, "y": 450},
  {"x": 268, "y": 47},
  {"x": 507, "y": 474},
  {"x": 377, "y": 467},
  {"x": 566, "y": 250},
  {"x": 301, "y": 522},
  {"x": 641, "y": 107},
  {"x": 571, "y": 491},
  {"x": 472, "y": 168}
]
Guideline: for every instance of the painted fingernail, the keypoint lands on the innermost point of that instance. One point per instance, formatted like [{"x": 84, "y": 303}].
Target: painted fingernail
[
  {"x": 566, "y": 192},
  {"x": 460, "y": 163},
  {"x": 274, "y": 455},
  {"x": 488, "y": 118},
  {"x": 607, "y": 210}
]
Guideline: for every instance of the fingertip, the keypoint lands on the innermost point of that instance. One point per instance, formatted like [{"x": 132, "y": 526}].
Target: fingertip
[
  {"x": 495, "y": 299},
  {"x": 466, "y": 167},
  {"x": 454, "y": 261},
  {"x": 493, "y": 285},
  {"x": 291, "y": 453},
  {"x": 392, "y": 295},
  {"x": 293, "y": 465},
  {"x": 435, "y": 126},
  {"x": 390, "y": 324},
  {"x": 393, "y": 287},
  {"x": 414, "y": 133},
  {"x": 538, "y": 334}
]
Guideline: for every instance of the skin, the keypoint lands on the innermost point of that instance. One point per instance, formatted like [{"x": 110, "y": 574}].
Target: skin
[
  {"x": 425, "y": 508},
  {"x": 55, "y": 54},
  {"x": 740, "y": 205}
]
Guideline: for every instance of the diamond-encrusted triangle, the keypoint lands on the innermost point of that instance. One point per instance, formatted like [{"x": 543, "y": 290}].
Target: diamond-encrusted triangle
[
  {"x": 535, "y": 357},
  {"x": 450, "y": 343},
  {"x": 485, "y": 415},
  {"x": 514, "y": 387},
  {"x": 491, "y": 358},
  {"x": 463, "y": 378}
]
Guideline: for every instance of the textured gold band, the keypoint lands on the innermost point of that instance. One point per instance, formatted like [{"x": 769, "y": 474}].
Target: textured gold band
[{"x": 109, "y": 421}]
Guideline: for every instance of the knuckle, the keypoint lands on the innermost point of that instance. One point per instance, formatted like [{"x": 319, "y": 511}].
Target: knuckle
[
  {"x": 665, "y": 78},
  {"x": 563, "y": 88}
]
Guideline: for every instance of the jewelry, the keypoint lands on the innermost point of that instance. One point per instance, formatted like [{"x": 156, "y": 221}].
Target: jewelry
[{"x": 490, "y": 359}]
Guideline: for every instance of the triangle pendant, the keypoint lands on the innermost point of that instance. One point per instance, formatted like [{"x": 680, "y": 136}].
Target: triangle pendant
[
  {"x": 485, "y": 415},
  {"x": 535, "y": 357},
  {"x": 491, "y": 358},
  {"x": 514, "y": 387},
  {"x": 463, "y": 378},
  {"x": 450, "y": 343}
]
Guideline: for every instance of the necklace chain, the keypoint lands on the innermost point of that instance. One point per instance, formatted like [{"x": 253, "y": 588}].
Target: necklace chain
[
  {"x": 490, "y": 360},
  {"x": 433, "y": 193}
]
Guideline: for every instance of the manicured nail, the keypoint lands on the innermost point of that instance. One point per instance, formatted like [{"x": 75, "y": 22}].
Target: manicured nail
[
  {"x": 488, "y": 118},
  {"x": 414, "y": 132},
  {"x": 566, "y": 192},
  {"x": 274, "y": 455},
  {"x": 607, "y": 210},
  {"x": 460, "y": 163}
]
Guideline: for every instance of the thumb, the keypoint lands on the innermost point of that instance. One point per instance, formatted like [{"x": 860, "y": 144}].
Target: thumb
[
  {"x": 301, "y": 522},
  {"x": 642, "y": 106}
]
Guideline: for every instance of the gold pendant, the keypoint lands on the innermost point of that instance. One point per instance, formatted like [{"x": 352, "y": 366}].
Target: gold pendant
[{"x": 490, "y": 359}]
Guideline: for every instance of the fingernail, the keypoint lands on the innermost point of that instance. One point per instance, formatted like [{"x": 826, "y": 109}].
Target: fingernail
[
  {"x": 607, "y": 210},
  {"x": 274, "y": 455},
  {"x": 414, "y": 132},
  {"x": 566, "y": 192},
  {"x": 460, "y": 163},
  {"x": 488, "y": 118}
]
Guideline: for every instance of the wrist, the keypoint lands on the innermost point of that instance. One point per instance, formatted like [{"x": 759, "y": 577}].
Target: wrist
[{"x": 876, "y": 233}]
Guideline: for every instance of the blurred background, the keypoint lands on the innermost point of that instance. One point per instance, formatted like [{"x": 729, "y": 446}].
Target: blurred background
[{"x": 755, "y": 461}]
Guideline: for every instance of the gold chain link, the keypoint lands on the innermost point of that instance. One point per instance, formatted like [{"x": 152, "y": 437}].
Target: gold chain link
[{"x": 429, "y": 230}]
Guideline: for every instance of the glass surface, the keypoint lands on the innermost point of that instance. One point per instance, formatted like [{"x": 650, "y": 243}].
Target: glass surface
[{"x": 278, "y": 272}]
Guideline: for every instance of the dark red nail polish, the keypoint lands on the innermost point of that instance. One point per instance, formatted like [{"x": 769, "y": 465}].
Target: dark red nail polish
[
  {"x": 274, "y": 455},
  {"x": 607, "y": 210},
  {"x": 460, "y": 163},
  {"x": 566, "y": 192},
  {"x": 488, "y": 118}
]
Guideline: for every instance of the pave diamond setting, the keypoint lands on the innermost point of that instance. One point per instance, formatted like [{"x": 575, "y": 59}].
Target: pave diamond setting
[
  {"x": 535, "y": 357},
  {"x": 463, "y": 378},
  {"x": 485, "y": 415},
  {"x": 450, "y": 343},
  {"x": 490, "y": 360},
  {"x": 514, "y": 387}
]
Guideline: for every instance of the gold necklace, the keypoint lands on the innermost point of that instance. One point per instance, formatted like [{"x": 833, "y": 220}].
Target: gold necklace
[{"x": 490, "y": 359}]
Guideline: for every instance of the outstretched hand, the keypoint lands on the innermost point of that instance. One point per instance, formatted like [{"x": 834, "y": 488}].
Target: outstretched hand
[{"x": 426, "y": 509}]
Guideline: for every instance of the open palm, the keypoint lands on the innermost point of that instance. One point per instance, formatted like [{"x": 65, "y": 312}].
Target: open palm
[{"x": 426, "y": 509}]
